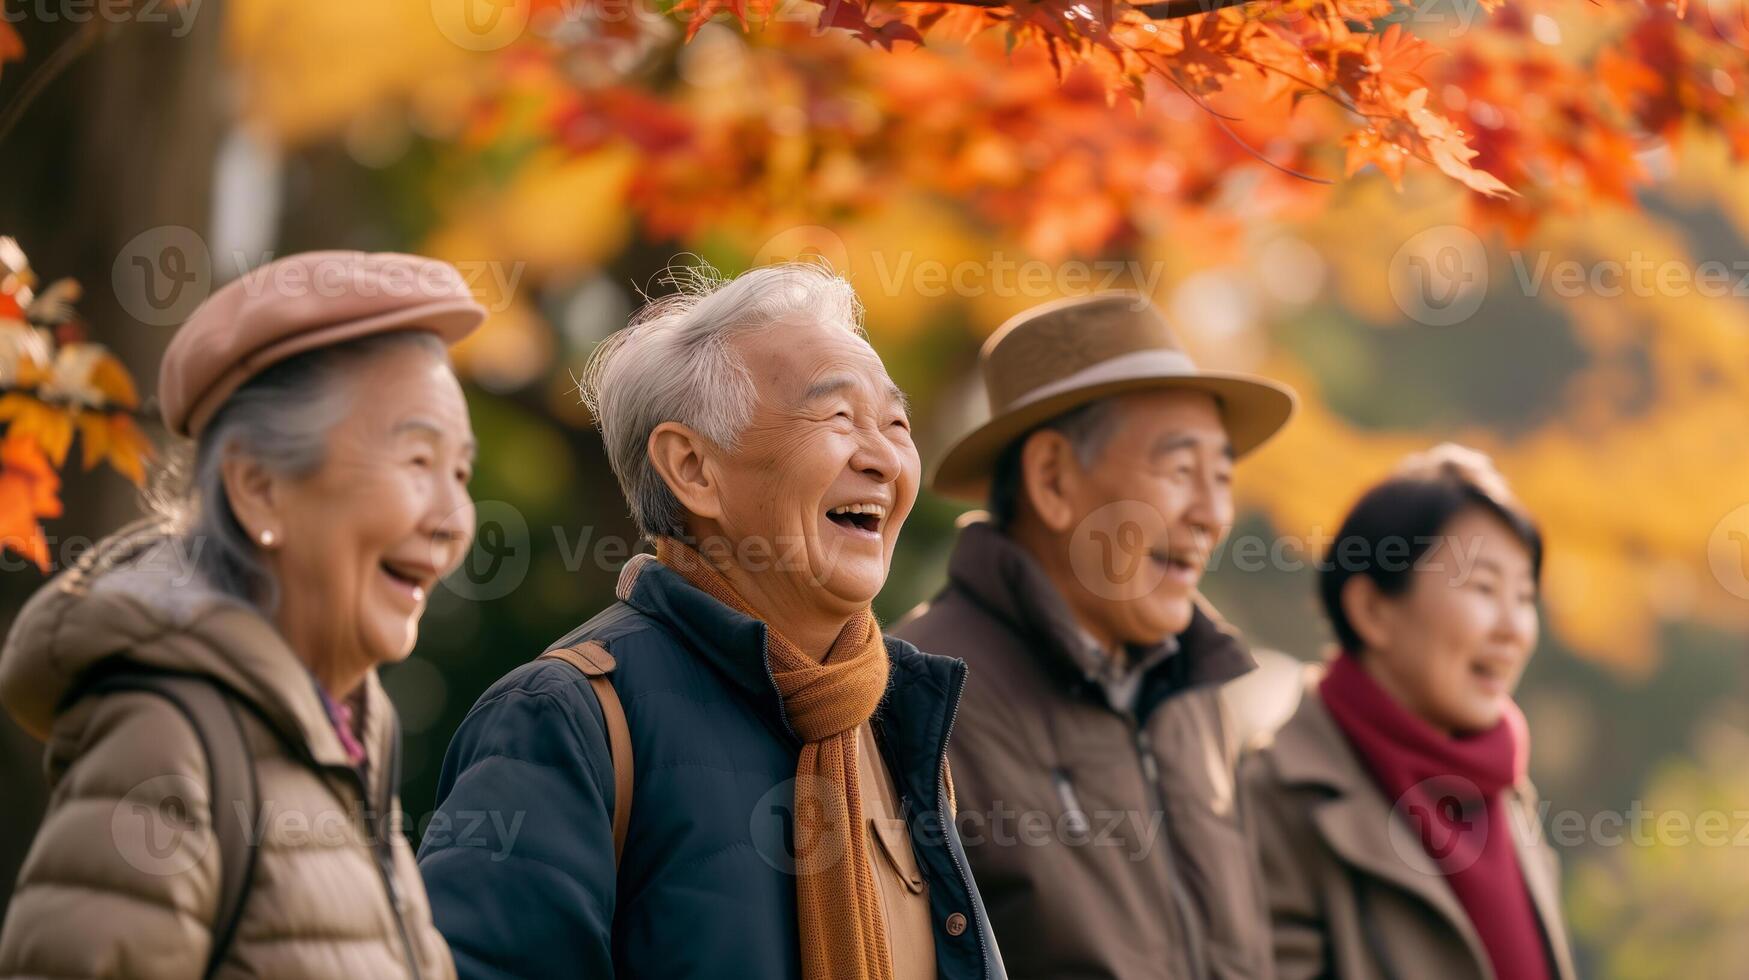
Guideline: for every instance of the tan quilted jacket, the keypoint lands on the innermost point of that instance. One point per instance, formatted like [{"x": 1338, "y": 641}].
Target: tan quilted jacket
[{"x": 122, "y": 879}]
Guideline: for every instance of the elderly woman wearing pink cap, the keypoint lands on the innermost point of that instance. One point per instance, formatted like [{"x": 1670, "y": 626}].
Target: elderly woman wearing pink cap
[{"x": 223, "y": 756}]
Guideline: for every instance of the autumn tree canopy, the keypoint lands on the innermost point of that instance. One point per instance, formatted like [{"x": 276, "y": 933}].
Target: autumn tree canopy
[
  {"x": 551, "y": 133},
  {"x": 1079, "y": 123}
]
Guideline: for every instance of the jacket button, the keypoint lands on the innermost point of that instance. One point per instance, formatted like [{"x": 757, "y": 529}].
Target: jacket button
[{"x": 956, "y": 924}]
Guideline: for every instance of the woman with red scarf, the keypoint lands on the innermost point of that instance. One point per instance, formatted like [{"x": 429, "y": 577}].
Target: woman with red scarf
[{"x": 1396, "y": 832}]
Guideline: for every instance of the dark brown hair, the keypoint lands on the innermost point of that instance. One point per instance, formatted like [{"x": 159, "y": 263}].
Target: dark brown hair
[{"x": 1406, "y": 515}]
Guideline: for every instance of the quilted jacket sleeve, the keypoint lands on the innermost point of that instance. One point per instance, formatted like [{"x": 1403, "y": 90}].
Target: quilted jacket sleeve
[{"x": 122, "y": 879}]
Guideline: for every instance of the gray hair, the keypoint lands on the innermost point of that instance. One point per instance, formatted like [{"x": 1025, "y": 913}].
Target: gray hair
[
  {"x": 1088, "y": 428},
  {"x": 281, "y": 417},
  {"x": 674, "y": 363}
]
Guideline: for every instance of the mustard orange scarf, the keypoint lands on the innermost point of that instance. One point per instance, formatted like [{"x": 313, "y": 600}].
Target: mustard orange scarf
[{"x": 844, "y": 936}]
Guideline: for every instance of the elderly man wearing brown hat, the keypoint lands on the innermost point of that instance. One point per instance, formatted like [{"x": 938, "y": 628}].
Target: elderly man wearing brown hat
[{"x": 1094, "y": 759}]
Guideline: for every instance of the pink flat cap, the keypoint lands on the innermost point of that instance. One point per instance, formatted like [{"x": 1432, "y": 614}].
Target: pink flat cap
[{"x": 299, "y": 303}]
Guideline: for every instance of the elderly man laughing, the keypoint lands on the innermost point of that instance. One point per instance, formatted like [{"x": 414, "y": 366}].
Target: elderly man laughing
[
  {"x": 1107, "y": 466},
  {"x": 791, "y": 812}
]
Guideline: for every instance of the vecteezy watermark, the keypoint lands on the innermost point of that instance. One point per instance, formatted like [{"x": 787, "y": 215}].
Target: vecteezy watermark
[
  {"x": 805, "y": 242},
  {"x": 498, "y": 560},
  {"x": 1643, "y": 826},
  {"x": 1006, "y": 276},
  {"x": 1442, "y": 820},
  {"x": 176, "y": 559},
  {"x": 1730, "y": 20},
  {"x": 798, "y": 825},
  {"x": 1133, "y": 832},
  {"x": 180, "y": 13},
  {"x": 164, "y": 272},
  {"x": 480, "y": 25},
  {"x": 1442, "y": 825},
  {"x": 1428, "y": 16},
  {"x": 494, "y": 831},
  {"x": 1123, "y": 549},
  {"x": 1115, "y": 551},
  {"x": 1635, "y": 275},
  {"x": 1727, "y": 552},
  {"x": 997, "y": 274},
  {"x": 164, "y": 826},
  {"x": 818, "y": 845},
  {"x": 490, "y": 25},
  {"x": 1439, "y": 276},
  {"x": 1456, "y": 16},
  {"x": 347, "y": 273},
  {"x": 155, "y": 825}
]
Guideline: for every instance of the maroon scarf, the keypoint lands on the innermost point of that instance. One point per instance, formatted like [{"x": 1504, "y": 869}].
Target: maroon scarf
[{"x": 1451, "y": 790}]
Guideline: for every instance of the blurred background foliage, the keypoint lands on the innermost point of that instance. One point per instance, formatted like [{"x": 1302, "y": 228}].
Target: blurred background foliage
[{"x": 1621, "y": 420}]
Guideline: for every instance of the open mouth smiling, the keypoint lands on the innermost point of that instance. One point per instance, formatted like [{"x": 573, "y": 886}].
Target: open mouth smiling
[
  {"x": 414, "y": 580},
  {"x": 859, "y": 518}
]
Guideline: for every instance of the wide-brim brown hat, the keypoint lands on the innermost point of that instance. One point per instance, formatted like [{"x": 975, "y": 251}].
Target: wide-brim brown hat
[
  {"x": 299, "y": 303},
  {"x": 1057, "y": 357}
]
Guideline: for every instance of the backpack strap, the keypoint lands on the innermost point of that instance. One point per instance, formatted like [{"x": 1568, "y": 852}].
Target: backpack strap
[
  {"x": 595, "y": 663},
  {"x": 235, "y": 795}
]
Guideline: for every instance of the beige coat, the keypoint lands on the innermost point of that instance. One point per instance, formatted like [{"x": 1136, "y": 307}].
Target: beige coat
[
  {"x": 1351, "y": 892},
  {"x": 122, "y": 878}
]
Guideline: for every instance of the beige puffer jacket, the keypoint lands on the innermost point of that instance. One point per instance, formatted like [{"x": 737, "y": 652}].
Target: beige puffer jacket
[{"x": 122, "y": 880}]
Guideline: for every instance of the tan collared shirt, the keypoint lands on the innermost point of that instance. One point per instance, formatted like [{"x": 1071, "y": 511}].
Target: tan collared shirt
[{"x": 904, "y": 893}]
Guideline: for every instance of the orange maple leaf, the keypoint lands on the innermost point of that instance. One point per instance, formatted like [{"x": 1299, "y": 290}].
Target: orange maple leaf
[
  {"x": 88, "y": 375},
  {"x": 11, "y": 45},
  {"x": 29, "y": 489},
  {"x": 703, "y": 10},
  {"x": 1370, "y": 146},
  {"x": 117, "y": 438},
  {"x": 1446, "y": 146},
  {"x": 1362, "y": 10},
  {"x": 49, "y": 427},
  {"x": 1204, "y": 60},
  {"x": 851, "y": 16},
  {"x": 25, "y": 354},
  {"x": 1396, "y": 58}
]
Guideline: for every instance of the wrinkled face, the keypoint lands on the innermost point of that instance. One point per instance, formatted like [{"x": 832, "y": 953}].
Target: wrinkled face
[
  {"x": 365, "y": 538},
  {"x": 1150, "y": 511},
  {"x": 1454, "y": 646},
  {"x": 825, "y": 473}
]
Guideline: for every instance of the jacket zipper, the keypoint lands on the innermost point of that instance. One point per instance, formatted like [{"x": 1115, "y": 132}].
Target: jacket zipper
[
  {"x": 385, "y": 861},
  {"x": 385, "y": 864},
  {"x": 771, "y": 676},
  {"x": 1150, "y": 765},
  {"x": 959, "y": 683},
  {"x": 383, "y": 848},
  {"x": 1079, "y": 825}
]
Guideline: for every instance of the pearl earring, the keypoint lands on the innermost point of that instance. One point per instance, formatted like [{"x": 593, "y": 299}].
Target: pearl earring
[{"x": 266, "y": 539}]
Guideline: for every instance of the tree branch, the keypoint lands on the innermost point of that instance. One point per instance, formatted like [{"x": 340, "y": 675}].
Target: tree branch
[
  {"x": 1174, "y": 9},
  {"x": 1156, "y": 9},
  {"x": 147, "y": 411},
  {"x": 69, "y": 50}
]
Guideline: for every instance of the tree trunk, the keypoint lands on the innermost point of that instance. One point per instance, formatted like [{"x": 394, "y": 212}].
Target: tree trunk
[{"x": 122, "y": 143}]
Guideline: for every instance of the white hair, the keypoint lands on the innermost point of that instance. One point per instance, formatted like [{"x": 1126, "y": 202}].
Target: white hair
[{"x": 673, "y": 363}]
